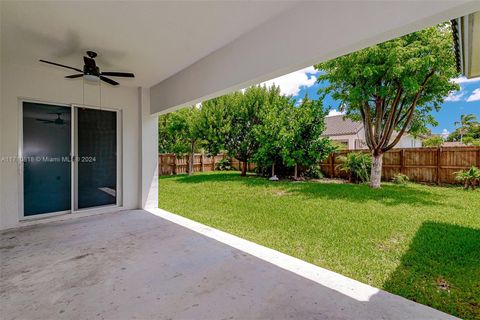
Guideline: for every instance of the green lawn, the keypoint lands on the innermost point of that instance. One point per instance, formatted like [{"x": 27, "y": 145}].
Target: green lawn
[{"x": 420, "y": 242}]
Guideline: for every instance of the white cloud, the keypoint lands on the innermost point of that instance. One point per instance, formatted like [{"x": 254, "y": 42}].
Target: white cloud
[
  {"x": 455, "y": 96},
  {"x": 475, "y": 96},
  {"x": 290, "y": 84},
  {"x": 445, "y": 134},
  {"x": 465, "y": 80},
  {"x": 335, "y": 112}
]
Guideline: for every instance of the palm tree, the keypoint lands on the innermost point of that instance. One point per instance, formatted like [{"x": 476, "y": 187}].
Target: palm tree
[{"x": 466, "y": 122}]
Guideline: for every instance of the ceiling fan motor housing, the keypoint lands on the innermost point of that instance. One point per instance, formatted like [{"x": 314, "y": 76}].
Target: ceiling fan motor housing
[{"x": 91, "y": 70}]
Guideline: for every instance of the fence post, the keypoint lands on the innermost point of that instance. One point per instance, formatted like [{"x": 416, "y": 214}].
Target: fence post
[
  {"x": 201, "y": 162},
  {"x": 213, "y": 162},
  {"x": 478, "y": 158},
  {"x": 402, "y": 161},
  {"x": 174, "y": 164},
  {"x": 160, "y": 173},
  {"x": 333, "y": 165},
  {"x": 439, "y": 154}
]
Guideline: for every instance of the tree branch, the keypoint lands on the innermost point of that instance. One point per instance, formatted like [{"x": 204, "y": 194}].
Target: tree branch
[
  {"x": 367, "y": 140},
  {"x": 368, "y": 126},
  {"x": 389, "y": 125},
  {"x": 410, "y": 113},
  {"x": 378, "y": 118}
]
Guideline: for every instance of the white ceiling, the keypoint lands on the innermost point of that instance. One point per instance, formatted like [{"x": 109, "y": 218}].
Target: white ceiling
[{"x": 152, "y": 39}]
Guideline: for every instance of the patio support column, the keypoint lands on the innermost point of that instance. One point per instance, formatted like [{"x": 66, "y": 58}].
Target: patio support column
[{"x": 149, "y": 156}]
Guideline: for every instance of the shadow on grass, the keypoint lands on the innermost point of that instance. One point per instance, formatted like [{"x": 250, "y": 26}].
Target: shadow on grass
[
  {"x": 389, "y": 195},
  {"x": 441, "y": 269}
]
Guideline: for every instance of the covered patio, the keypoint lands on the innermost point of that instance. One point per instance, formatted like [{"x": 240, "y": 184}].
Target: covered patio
[
  {"x": 95, "y": 245},
  {"x": 139, "y": 264}
]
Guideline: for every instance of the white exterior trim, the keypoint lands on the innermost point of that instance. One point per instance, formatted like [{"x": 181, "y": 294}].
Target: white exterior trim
[{"x": 272, "y": 49}]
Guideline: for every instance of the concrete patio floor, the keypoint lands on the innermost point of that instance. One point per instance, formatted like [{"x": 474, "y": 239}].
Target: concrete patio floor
[{"x": 136, "y": 265}]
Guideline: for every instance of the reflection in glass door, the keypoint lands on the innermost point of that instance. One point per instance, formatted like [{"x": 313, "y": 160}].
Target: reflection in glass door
[
  {"x": 46, "y": 156},
  {"x": 96, "y": 158}
]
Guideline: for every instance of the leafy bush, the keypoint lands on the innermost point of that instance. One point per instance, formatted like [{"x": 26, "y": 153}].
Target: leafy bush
[
  {"x": 313, "y": 172},
  {"x": 470, "y": 141},
  {"x": 470, "y": 178},
  {"x": 434, "y": 141},
  {"x": 400, "y": 178},
  {"x": 223, "y": 165},
  {"x": 357, "y": 165},
  {"x": 476, "y": 143}
]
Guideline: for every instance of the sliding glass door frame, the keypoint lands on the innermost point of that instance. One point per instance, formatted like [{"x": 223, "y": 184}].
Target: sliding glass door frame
[
  {"x": 20, "y": 159},
  {"x": 119, "y": 179},
  {"x": 73, "y": 162}
]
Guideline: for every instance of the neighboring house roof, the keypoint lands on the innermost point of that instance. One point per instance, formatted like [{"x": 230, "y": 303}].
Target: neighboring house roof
[
  {"x": 453, "y": 144},
  {"x": 338, "y": 125}
]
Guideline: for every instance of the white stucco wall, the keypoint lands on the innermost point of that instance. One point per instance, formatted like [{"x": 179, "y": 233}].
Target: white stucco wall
[
  {"x": 406, "y": 141},
  {"x": 409, "y": 142},
  {"x": 44, "y": 85},
  {"x": 349, "y": 139}
]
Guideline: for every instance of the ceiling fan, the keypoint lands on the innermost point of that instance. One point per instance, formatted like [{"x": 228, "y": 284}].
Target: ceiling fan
[
  {"x": 59, "y": 121},
  {"x": 91, "y": 71}
]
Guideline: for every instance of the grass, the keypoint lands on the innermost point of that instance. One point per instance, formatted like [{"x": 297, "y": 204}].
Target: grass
[{"x": 420, "y": 242}]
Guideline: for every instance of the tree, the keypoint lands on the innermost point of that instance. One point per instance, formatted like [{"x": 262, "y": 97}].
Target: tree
[
  {"x": 272, "y": 132},
  {"x": 214, "y": 123},
  {"x": 291, "y": 135},
  {"x": 307, "y": 147},
  {"x": 243, "y": 115},
  {"x": 393, "y": 86},
  {"x": 467, "y": 122},
  {"x": 180, "y": 133},
  {"x": 165, "y": 140}
]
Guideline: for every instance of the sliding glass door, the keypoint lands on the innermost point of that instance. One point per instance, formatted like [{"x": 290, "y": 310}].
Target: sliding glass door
[
  {"x": 70, "y": 158},
  {"x": 96, "y": 141},
  {"x": 46, "y": 158}
]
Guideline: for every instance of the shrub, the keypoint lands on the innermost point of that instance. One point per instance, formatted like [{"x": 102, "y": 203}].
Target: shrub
[
  {"x": 468, "y": 140},
  {"x": 223, "y": 165},
  {"x": 357, "y": 165},
  {"x": 434, "y": 141},
  {"x": 470, "y": 178},
  {"x": 313, "y": 172},
  {"x": 400, "y": 178}
]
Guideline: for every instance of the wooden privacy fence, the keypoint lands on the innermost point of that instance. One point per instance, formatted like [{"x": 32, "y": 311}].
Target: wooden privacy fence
[
  {"x": 169, "y": 164},
  {"x": 430, "y": 165}
]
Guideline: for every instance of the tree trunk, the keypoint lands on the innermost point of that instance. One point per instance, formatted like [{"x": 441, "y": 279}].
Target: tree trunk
[
  {"x": 192, "y": 157},
  {"x": 244, "y": 169},
  {"x": 295, "y": 172},
  {"x": 376, "y": 173},
  {"x": 273, "y": 169}
]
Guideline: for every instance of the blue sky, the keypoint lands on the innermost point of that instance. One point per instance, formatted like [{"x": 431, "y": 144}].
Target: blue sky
[{"x": 464, "y": 101}]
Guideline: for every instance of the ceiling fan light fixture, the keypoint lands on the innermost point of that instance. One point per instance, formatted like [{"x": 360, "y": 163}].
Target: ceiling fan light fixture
[{"x": 91, "y": 77}]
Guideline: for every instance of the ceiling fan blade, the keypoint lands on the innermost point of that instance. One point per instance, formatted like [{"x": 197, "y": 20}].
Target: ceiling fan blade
[
  {"x": 89, "y": 61},
  {"x": 110, "y": 81},
  {"x": 61, "y": 65},
  {"x": 45, "y": 120},
  {"x": 119, "y": 74},
  {"x": 73, "y": 76}
]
